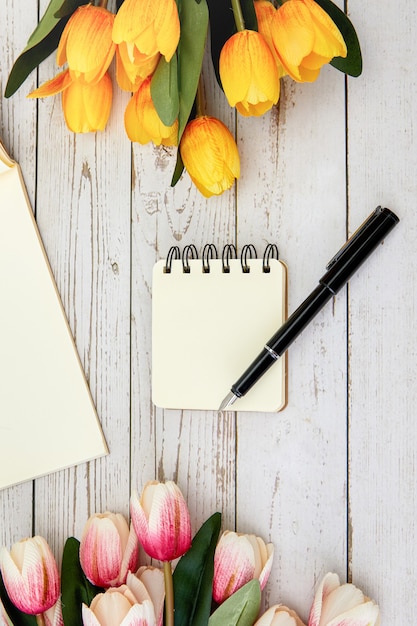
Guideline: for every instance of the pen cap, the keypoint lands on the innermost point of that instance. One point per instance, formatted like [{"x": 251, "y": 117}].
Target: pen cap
[{"x": 362, "y": 243}]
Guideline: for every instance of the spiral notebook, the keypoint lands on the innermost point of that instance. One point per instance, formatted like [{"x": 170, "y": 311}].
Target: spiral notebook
[
  {"x": 210, "y": 318},
  {"x": 47, "y": 417}
]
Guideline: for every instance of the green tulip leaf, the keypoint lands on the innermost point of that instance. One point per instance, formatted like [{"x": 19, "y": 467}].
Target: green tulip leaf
[
  {"x": 224, "y": 26},
  {"x": 42, "y": 42},
  {"x": 240, "y": 609},
  {"x": 75, "y": 588},
  {"x": 164, "y": 90},
  {"x": 193, "y": 576},
  {"x": 179, "y": 168},
  {"x": 352, "y": 63},
  {"x": 17, "y": 617},
  {"x": 194, "y": 24}
]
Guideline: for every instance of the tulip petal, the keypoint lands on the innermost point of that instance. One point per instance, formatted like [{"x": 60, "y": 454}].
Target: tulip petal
[
  {"x": 340, "y": 600},
  {"x": 89, "y": 619},
  {"x": 366, "y": 614},
  {"x": 234, "y": 565},
  {"x": 328, "y": 583},
  {"x": 52, "y": 87},
  {"x": 87, "y": 107}
]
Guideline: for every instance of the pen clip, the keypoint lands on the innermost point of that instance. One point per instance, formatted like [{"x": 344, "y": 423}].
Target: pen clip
[{"x": 353, "y": 237}]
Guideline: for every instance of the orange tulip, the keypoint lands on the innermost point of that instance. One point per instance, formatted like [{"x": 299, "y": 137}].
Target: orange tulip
[
  {"x": 248, "y": 73},
  {"x": 147, "y": 28},
  {"x": 142, "y": 122},
  {"x": 132, "y": 70},
  {"x": 86, "y": 106},
  {"x": 86, "y": 43},
  {"x": 305, "y": 38},
  {"x": 210, "y": 155},
  {"x": 265, "y": 12}
]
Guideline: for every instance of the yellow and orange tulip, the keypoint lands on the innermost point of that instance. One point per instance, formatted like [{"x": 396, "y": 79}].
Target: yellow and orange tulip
[
  {"x": 265, "y": 12},
  {"x": 150, "y": 26},
  {"x": 142, "y": 122},
  {"x": 305, "y": 39},
  {"x": 335, "y": 605},
  {"x": 86, "y": 43},
  {"x": 238, "y": 559},
  {"x": 249, "y": 73},
  {"x": 210, "y": 155}
]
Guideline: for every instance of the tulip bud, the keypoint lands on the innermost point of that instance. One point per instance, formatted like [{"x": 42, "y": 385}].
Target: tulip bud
[
  {"x": 108, "y": 549},
  {"x": 279, "y": 615},
  {"x": 238, "y": 559},
  {"x": 116, "y": 606},
  {"x": 161, "y": 520},
  {"x": 210, "y": 155},
  {"x": 249, "y": 73},
  {"x": 336, "y": 605},
  {"x": 30, "y": 575},
  {"x": 305, "y": 38}
]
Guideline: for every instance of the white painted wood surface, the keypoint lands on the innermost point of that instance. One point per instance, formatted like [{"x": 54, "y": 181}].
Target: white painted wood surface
[{"x": 330, "y": 480}]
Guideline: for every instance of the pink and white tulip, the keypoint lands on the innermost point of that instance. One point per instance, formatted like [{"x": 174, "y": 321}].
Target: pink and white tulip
[
  {"x": 153, "y": 579},
  {"x": 279, "y": 615},
  {"x": 340, "y": 605},
  {"x": 4, "y": 618},
  {"x": 238, "y": 559},
  {"x": 117, "y": 606},
  {"x": 161, "y": 520},
  {"x": 108, "y": 549},
  {"x": 53, "y": 616},
  {"x": 30, "y": 575}
]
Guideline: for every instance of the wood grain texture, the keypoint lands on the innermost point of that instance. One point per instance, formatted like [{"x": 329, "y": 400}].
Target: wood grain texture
[{"x": 331, "y": 479}]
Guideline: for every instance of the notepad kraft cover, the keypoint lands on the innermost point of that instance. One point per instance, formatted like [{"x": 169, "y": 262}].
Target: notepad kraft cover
[
  {"x": 47, "y": 417},
  {"x": 208, "y": 327}
]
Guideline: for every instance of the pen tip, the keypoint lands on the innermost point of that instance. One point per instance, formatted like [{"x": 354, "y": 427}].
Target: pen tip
[{"x": 228, "y": 400}]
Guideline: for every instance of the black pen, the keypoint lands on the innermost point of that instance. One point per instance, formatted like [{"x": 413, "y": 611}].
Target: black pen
[{"x": 341, "y": 267}]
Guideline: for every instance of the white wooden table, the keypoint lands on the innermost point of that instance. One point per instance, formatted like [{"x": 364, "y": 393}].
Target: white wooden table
[{"x": 331, "y": 480}]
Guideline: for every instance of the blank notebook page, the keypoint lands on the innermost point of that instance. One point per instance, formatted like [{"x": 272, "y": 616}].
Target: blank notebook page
[
  {"x": 208, "y": 327},
  {"x": 47, "y": 417}
]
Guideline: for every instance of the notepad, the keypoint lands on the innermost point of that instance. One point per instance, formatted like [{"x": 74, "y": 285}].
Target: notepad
[
  {"x": 47, "y": 417},
  {"x": 210, "y": 319}
]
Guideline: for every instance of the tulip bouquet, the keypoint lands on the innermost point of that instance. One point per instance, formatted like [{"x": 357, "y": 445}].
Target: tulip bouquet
[
  {"x": 214, "y": 582},
  {"x": 159, "y": 48}
]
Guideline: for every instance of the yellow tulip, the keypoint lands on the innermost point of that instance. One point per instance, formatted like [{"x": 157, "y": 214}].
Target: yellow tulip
[
  {"x": 210, "y": 155},
  {"x": 265, "y": 12},
  {"x": 305, "y": 38},
  {"x": 87, "y": 107},
  {"x": 142, "y": 122},
  {"x": 86, "y": 43},
  {"x": 132, "y": 67},
  {"x": 248, "y": 73},
  {"x": 151, "y": 26}
]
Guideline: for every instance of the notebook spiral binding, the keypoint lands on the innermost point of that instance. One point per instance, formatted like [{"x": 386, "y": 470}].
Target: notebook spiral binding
[{"x": 229, "y": 252}]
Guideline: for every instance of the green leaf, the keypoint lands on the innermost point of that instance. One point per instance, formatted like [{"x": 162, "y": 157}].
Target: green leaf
[
  {"x": 193, "y": 576},
  {"x": 194, "y": 24},
  {"x": 75, "y": 588},
  {"x": 164, "y": 90},
  {"x": 42, "y": 42},
  {"x": 18, "y": 618},
  {"x": 241, "y": 609},
  {"x": 179, "y": 168},
  {"x": 223, "y": 26},
  {"x": 352, "y": 63}
]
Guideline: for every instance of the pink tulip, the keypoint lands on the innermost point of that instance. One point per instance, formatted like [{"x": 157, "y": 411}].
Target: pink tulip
[
  {"x": 238, "y": 559},
  {"x": 30, "y": 575},
  {"x": 119, "y": 605},
  {"x": 53, "y": 616},
  {"x": 108, "y": 549},
  {"x": 336, "y": 605},
  {"x": 161, "y": 520},
  {"x": 279, "y": 615}
]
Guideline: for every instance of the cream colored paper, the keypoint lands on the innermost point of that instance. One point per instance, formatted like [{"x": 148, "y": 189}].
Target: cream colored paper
[
  {"x": 47, "y": 417},
  {"x": 208, "y": 327}
]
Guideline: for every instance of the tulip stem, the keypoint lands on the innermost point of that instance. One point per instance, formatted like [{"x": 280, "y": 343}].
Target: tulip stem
[
  {"x": 169, "y": 594},
  {"x": 238, "y": 15},
  {"x": 40, "y": 621},
  {"x": 103, "y": 3}
]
